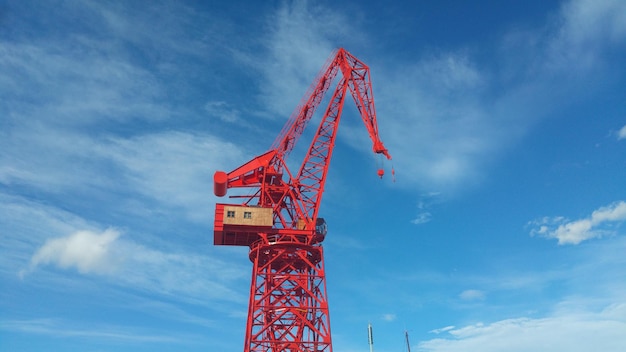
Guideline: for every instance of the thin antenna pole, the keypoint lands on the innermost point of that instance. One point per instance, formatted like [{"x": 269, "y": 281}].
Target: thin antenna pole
[
  {"x": 408, "y": 345},
  {"x": 370, "y": 337}
]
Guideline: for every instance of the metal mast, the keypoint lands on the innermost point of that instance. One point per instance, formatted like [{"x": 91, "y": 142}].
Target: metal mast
[
  {"x": 408, "y": 345},
  {"x": 278, "y": 221},
  {"x": 370, "y": 337}
]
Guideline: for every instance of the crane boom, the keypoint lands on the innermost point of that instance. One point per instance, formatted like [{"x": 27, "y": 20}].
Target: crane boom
[
  {"x": 361, "y": 89},
  {"x": 296, "y": 200},
  {"x": 279, "y": 220}
]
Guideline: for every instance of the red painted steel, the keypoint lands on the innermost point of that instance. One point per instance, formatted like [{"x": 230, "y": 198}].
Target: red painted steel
[
  {"x": 288, "y": 308},
  {"x": 220, "y": 179}
]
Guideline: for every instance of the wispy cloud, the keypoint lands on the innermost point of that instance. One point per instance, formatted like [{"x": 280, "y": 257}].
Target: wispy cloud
[
  {"x": 621, "y": 134},
  {"x": 169, "y": 170},
  {"x": 27, "y": 225},
  {"x": 223, "y": 111},
  {"x": 424, "y": 204},
  {"x": 302, "y": 35},
  {"x": 389, "y": 317},
  {"x": 442, "y": 330},
  {"x": 46, "y": 244},
  {"x": 422, "y": 218},
  {"x": 173, "y": 168},
  {"x": 446, "y": 117},
  {"x": 600, "y": 223},
  {"x": 588, "y": 29},
  {"x": 472, "y": 295},
  {"x": 129, "y": 264},
  {"x": 76, "y": 84},
  {"x": 93, "y": 134},
  {"x": 582, "y": 330},
  {"x": 90, "y": 117},
  {"x": 59, "y": 328},
  {"x": 588, "y": 310}
]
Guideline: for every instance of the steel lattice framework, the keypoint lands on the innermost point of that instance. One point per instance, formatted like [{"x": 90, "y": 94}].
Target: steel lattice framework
[{"x": 288, "y": 308}]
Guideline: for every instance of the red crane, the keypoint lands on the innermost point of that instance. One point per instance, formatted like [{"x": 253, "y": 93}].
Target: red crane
[{"x": 278, "y": 219}]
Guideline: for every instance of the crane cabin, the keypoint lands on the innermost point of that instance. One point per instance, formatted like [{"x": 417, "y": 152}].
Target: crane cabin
[{"x": 240, "y": 225}]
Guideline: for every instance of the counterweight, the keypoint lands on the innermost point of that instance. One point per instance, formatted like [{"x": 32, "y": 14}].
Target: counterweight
[{"x": 278, "y": 221}]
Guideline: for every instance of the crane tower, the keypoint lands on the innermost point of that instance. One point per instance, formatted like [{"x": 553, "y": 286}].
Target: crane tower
[{"x": 278, "y": 219}]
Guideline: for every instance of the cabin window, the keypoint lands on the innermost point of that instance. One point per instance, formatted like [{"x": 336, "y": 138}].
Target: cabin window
[
  {"x": 230, "y": 214},
  {"x": 247, "y": 215}
]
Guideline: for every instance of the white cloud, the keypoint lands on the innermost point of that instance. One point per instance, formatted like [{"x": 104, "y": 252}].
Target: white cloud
[
  {"x": 440, "y": 144},
  {"x": 440, "y": 118},
  {"x": 77, "y": 86},
  {"x": 58, "y": 90},
  {"x": 590, "y": 314},
  {"x": 198, "y": 278},
  {"x": 472, "y": 295},
  {"x": 223, "y": 111},
  {"x": 588, "y": 24},
  {"x": 573, "y": 232},
  {"x": 76, "y": 111},
  {"x": 36, "y": 237},
  {"x": 174, "y": 168},
  {"x": 575, "y": 331},
  {"x": 58, "y": 328},
  {"x": 69, "y": 94},
  {"x": 389, "y": 317},
  {"x": 422, "y": 218},
  {"x": 441, "y": 330},
  {"x": 621, "y": 134},
  {"x": 424, "y": 202},
  {"x": 613, "y": 212},
  {"x": 86, "y": 251},
  {"x": 302, "y": 37},
  {"x": 129, "y": 264}
]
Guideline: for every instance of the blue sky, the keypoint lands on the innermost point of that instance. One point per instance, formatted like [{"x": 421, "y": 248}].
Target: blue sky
[{"x": 504, "y": 230}]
